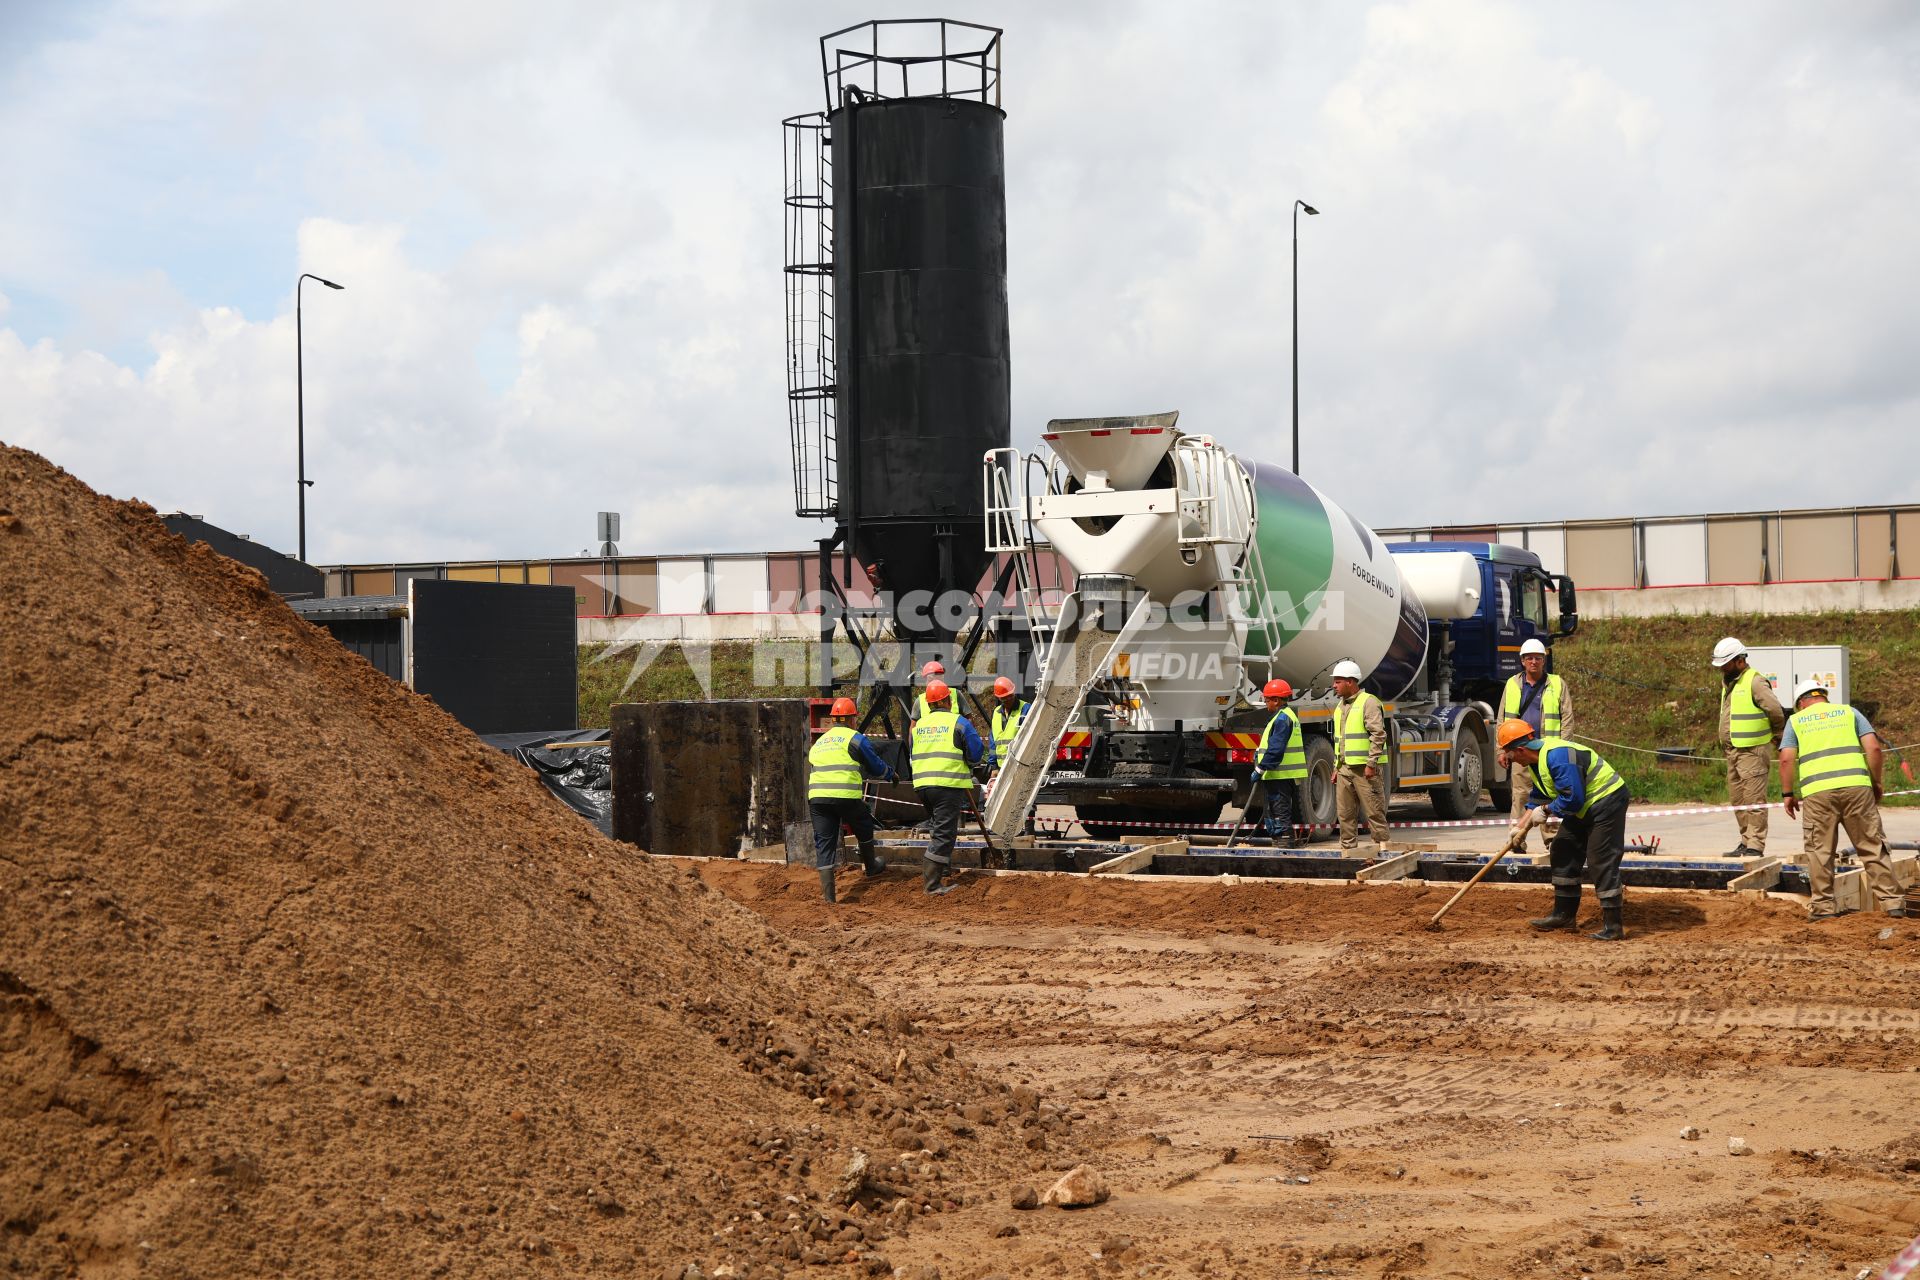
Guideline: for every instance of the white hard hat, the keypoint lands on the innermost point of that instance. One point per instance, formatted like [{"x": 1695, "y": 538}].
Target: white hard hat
[
  {"x": 1346, "y": 669},
  {"x": 1808, "y": 686},
  {"x": 1727, "y": 650},
  {"x": 1533, "y": 646}
]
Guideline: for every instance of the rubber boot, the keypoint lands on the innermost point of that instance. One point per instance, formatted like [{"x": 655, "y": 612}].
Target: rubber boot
[
  {"x": 1611, "y": 930},
  {"x": 826, "y": 882},
  {"x": 1566, "y": 906},
  {"x": 870, "y": 860},
  {"x": 931, "y": 878}
]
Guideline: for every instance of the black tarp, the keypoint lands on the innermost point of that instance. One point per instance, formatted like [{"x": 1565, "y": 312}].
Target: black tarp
[{"x": 580, "y": 776}]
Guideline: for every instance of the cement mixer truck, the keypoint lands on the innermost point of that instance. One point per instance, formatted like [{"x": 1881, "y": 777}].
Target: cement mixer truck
[{"x": 1199, "y": 576}]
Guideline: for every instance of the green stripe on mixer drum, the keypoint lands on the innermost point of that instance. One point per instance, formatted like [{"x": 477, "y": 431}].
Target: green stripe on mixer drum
[{"x": 1296, "y": 548}]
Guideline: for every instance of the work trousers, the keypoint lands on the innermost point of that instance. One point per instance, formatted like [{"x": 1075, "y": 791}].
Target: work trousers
[
  {"x": 1354, "y": 791},
  {"x": 1283, "y": 797},
  {"x": 1855, "y": 809},
  {"x": 827, "y": 816},
  {"x": 1591, "y": 848},
  {"x": 944, "y": 807},
  {"x": 1747, "y": 770}
]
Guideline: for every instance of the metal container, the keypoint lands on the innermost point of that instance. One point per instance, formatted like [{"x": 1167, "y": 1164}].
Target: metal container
[
  {"x": 1332, "y": 590},
  {"x": 921, "y": 336}
]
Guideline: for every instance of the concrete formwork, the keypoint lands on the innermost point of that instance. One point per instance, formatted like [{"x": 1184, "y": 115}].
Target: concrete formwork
[{"x": 712, "y": 779}]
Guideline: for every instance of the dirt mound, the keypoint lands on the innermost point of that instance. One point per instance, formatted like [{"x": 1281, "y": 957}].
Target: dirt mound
[{"x": 298, "y": 978}]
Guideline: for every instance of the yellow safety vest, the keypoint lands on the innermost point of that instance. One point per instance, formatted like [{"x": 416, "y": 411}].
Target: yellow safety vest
[
  {"x": 833, "y": 773},
  {"x": 1600, "y": 779},
  {"x": 1293, "y": 757},
  {"x": 1004, "y": 728},
  {"x": 938, "y": 760},
  {"x": 1549, "y": 702},
  {"x": 1350, "y": 735},
  {"x": 1826, "y": 732},
  {"x": 1746, "y": 723}
]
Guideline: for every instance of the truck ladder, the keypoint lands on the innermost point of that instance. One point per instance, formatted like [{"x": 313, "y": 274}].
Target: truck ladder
[{"x": 1075, "y": 662}]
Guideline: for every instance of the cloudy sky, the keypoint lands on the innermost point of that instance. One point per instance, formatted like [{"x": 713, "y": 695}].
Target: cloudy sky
[{"x": 1574, "y": 260}]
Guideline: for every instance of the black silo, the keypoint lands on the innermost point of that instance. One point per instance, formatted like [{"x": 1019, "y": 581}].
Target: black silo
[{"x": 921, "y": 341}]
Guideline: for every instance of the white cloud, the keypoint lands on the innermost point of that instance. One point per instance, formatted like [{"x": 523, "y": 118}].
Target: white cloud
[{"x": 1570, "y": 262}]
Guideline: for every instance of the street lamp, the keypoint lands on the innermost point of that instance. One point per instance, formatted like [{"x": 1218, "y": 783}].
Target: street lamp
[
  {"x": 1298, "y": 205},
  {"x": 300, "y": 401}
]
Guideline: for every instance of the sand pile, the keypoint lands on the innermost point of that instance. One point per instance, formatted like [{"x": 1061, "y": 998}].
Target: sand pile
[{"x": 298, "y": 978}]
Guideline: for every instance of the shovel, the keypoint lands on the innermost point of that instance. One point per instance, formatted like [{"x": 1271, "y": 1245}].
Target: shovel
[
  {"x": 1259, "y": 786},
  {"x": 1514, "y": 842}
]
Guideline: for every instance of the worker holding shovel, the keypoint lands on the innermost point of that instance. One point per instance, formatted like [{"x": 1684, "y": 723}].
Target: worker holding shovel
[{"x": 1572, "y": 783}]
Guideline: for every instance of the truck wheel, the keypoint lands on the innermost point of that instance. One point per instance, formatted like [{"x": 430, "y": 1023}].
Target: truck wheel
[
  {"x": 1317, "y": 791},
  {"x": 1461, "y": 799}
]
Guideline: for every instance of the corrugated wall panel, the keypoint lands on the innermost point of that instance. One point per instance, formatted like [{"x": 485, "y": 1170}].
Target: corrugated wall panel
[
  {"x": 1601, "y": 557},
  {"x": 1816, "y": 548},
  {"x": 636, "y": 586},
  {"x": 473, "y": 573},
  {"x": 785, "y": 583},
  {"x": 516, "y": 573},
  {"x": 540, "y": 575},
  {"x": 373, "y": 582},
  {"x": 683, "y": 586},
  {"x": 1876, "y": 535},
  {"x": 1676, "y": 554},
  {"x": 585, "y": 579},
  {"x": 740, "y": 585},
  {"x": 1733, "y": 550},
  {"x": 1906, "y": 531}
]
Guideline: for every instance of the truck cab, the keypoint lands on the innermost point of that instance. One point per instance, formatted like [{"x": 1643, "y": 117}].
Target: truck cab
[{"x": 1519, "y": 601}]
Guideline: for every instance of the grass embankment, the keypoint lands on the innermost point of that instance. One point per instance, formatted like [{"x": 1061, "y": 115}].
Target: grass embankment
[
  {"x": 1646, "y": 683},
  {"x": 1642, "y": 682}
]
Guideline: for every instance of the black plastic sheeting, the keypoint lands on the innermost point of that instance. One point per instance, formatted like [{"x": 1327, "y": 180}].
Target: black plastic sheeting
[{"x": 582, "y": 777}]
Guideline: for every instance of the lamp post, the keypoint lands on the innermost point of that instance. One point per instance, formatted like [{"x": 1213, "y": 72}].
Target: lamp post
[
  {"x": 1298, "y": 205},
  {"x": 300, "y": 401}
]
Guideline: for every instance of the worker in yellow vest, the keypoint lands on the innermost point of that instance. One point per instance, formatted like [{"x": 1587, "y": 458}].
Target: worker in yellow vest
[
  {"x": 837, "y": 769},
  {"x": 1360, "y": 749},
  {"x": 1750, "y": 717},
  {"x": 1280, "y": 764},
  {"x": 946, "y": 746},
  {"x": 1007, "y": 712},
  {"x": 1574, "y": 784},
  {"x": 1830, "y": 762},
  {"x": 1542, "y": 701}
]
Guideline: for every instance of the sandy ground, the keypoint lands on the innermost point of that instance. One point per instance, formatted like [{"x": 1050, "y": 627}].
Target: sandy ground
[{"x": 1296, "y": 1079}]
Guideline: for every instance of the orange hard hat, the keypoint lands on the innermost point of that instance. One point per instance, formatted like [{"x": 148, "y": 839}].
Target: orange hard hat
[
  {"x": 842, "y": 707},
  {"x": 1512, "y": 731},
  {"x": 1277, "y": 688},
  {"x": 1003, "y": 688},
  {"x": 936, "y": 691},
  {"x": 933, "y": 668}
]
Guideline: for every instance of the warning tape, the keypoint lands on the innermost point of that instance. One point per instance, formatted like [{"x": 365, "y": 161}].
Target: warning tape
[
  {"x": 1061, "y": 824},
  {"x": 1904, "y": 1265}
]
